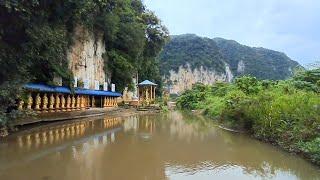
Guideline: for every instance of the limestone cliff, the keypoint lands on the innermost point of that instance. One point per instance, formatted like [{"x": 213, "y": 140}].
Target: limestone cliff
[
  {"x": 185, "y": 77},
  {"x": 188, "y": 59},
  {"x": 85, "y": 56}
]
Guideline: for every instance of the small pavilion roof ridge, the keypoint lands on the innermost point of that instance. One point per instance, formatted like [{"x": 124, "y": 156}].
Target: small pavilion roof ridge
[{"x": 146, "y": 83}]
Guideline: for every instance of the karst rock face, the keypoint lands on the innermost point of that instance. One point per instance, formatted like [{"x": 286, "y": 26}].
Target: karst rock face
[
  {"x": 188, "y": 59},
  {"x": 85, "y": 56},
  {"x": 185, "y": 77}
]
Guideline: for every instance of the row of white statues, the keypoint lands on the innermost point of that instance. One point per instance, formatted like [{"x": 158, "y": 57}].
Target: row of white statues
[{"x": 63, "y": 102}]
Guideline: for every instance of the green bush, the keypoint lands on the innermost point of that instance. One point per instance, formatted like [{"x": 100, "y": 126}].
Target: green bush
[
  {"x": 311, "y": 148},
  {"x": 248, "y": 84},
  {"x": 191, "y": 99}
]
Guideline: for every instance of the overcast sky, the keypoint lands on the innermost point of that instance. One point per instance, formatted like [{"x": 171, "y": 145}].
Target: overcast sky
[{"x": 290, "y": 26}]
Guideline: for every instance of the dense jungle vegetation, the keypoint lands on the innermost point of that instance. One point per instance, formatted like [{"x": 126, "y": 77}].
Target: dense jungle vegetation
[
  {"x": 35, "y": 35},
  {"x": 193, "y": 50},
  {"x": 215, "y": 54},
  {"x": 285, "y": 112}
]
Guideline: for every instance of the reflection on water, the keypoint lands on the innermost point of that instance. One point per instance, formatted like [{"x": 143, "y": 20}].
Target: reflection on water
[{"x": 163, "y": 146}]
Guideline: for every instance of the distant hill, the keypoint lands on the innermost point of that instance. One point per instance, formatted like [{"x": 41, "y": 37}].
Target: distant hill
[
  {"x": 260, "y": 62},
  {"x": 188, "y": 59}
]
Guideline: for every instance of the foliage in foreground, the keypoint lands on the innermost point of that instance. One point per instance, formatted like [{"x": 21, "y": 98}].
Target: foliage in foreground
[{"x": 286, "y": 113}]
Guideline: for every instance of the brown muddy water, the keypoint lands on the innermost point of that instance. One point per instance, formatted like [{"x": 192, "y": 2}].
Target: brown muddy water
[{"x": 144, "y": 147}]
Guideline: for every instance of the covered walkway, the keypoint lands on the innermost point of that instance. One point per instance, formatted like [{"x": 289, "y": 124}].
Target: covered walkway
[{"x": 46, "y": 98}]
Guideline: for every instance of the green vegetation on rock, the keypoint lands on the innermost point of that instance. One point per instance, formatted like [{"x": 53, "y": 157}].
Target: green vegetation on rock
[
  {"x": 215, "y": 54},
  {"x": 259, "y": 62},
  {"x": 193, "y": 50},
  {"x": 286, "y": 113}
]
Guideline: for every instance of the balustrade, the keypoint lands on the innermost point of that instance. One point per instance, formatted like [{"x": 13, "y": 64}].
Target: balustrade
[{"x": 51, "y": 102}]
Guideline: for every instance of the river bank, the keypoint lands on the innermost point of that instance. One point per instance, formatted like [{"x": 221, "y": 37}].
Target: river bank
[
  {"x": 290, "y": 149},
  {"x": 238, "y": 129},
  {"x": 283, "y": 113}
]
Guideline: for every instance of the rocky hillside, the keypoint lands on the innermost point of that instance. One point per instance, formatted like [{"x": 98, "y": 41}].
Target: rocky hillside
[{"x": 188, "y": 59}]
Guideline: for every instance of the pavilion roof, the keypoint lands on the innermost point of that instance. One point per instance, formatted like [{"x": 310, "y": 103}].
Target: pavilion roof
[
  {"x": 147, "y": 83},
  {"x": 66, "y": 90}
]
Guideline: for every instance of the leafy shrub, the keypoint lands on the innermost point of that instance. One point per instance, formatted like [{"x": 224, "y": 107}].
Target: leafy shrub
[
  {"x": 191, "y": 99},
  {"x": 248, "y": 84},
  {"x": 312, "y": 148}
]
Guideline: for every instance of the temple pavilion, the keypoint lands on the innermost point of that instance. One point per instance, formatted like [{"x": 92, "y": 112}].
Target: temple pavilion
[
  {"x": 147, "y": 92},
  {"x": 46, "y": 98}
]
